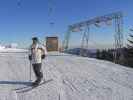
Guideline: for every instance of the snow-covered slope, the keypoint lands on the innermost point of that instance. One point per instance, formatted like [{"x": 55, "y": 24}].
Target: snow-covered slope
[
  {"x": 12, "y": 50},
  {"x": 74, "y": 78}
]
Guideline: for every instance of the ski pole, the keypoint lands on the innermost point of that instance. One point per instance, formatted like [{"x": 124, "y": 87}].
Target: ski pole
[{"x": 30, "y": 70}]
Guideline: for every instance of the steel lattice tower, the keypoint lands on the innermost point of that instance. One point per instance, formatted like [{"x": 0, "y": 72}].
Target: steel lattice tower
[{"x": 84, "y": 26}]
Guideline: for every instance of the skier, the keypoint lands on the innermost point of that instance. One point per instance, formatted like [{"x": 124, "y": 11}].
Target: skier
[{"x": 37, "y": 54}]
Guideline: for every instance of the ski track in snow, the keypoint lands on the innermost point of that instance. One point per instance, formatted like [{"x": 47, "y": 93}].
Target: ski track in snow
[{"x": 74, "y": 78}]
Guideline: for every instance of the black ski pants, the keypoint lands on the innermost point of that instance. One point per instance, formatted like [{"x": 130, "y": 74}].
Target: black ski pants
[{"x": 37, "y": 70}]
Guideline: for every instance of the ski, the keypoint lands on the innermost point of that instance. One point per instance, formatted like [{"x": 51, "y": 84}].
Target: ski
[
  {"x": 21, "y": 88},
  {"x": 29, "y": 88}
]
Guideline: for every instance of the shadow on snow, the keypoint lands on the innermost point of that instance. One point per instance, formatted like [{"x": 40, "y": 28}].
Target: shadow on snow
[{"x": 15, "y": 82}]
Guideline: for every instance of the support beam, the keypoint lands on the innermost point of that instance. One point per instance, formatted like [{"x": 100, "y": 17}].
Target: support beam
[
  {"x": 85, "y": 42},
  {"x": 95, "y": 20}
]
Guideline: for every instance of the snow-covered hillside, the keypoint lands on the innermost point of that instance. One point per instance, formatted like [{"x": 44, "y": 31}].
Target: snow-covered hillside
[
  {"x": 74, "y": 78},
  {"x": 11, "y": 50}
]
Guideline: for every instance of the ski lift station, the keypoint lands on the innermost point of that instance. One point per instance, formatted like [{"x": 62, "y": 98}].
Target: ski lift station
[{"x": 52, "y": 43}]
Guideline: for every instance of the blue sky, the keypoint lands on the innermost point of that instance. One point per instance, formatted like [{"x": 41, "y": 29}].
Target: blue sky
[{"x": 31, "y": 18}]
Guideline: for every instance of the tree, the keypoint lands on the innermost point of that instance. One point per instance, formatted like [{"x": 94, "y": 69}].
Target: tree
[
  {"x": 129, "y": 51},
  {"x": 98, "y": 54}
]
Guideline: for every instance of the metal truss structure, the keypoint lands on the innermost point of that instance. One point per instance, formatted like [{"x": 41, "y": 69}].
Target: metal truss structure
[{"x": 84, "y": 27}]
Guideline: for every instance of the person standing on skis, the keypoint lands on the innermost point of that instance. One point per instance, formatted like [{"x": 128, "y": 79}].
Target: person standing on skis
[{"x": 37, "y": 54}]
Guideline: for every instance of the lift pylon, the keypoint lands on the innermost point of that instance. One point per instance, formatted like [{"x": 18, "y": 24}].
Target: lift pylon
[{"x": 117, "y": 17}]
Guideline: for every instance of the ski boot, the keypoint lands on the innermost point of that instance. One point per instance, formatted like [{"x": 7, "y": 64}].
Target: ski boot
[{"x": 36, "y": 83}]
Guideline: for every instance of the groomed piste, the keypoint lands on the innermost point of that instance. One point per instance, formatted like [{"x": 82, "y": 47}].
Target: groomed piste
[{"x": 74, "y": 78}]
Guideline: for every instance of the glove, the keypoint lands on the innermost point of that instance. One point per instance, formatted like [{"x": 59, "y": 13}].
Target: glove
[
  {"x": 43, "y": 56},
  {"x": 30, "y": 57}
]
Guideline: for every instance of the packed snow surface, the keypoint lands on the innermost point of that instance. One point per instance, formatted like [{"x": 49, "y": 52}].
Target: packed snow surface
[
  {"x": 74, "y": 78},
  {"x": 12, "y": 50}
]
